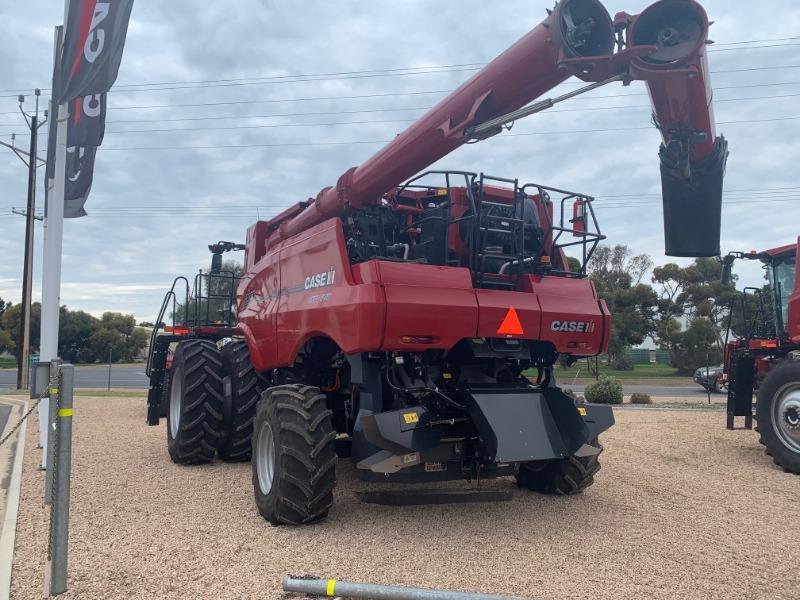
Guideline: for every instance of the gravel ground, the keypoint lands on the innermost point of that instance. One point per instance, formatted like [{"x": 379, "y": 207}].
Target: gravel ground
[{"x": 682, "y": 509}]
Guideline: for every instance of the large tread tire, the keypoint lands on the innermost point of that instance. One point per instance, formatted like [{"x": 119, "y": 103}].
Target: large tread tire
[
  {"x": 246, "y": 388},
  {"x": 163, "y": 407},
  {"x": 776, "y": 383},
  {"x": 197, "y": 369},
  {"x": 304, "y": 466},
  {"x": 565, "y": 477}
]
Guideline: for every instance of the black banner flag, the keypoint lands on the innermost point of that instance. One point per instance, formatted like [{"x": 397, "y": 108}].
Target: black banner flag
[
  {"x": 87, "y": 120},
  {"x": 94, "y": 39},
  {"x": 80, "y": 172}
]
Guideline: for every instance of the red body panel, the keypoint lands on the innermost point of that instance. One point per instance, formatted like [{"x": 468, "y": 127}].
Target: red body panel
[
  {"x": 427, "y": 301},
  {"x": 305, "y": 288}
]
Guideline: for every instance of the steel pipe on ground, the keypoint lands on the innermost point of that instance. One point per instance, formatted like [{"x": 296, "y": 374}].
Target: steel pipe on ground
[{"x": 349, "y": 589}]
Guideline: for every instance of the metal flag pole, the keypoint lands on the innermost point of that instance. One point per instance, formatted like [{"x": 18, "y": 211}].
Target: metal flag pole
[{"x": 53, "y": 240}]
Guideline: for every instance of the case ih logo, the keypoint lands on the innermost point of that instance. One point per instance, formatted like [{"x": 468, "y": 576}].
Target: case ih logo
[
  {"x": 320, "y": 279},
  {"x": 573, "y": 326}
]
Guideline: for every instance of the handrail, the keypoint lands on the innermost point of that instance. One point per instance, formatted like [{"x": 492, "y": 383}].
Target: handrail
[{"x": 164, "y": 305}]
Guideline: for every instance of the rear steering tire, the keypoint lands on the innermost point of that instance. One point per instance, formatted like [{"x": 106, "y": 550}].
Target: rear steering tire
[
  {"x": 246, "y": 388},
  {"x": 294, "y": 455},
  {"x": 163, "y": 407},
  {"x": 568, "y": 476},
  {"x": 194, "y": 418},
  {"x": 778, "y": 415}
]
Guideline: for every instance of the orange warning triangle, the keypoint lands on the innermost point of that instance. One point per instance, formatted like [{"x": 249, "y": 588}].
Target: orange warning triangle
[{"x": 511, "y": 324}]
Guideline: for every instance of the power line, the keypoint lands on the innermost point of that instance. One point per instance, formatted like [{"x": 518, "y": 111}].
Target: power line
[
  {"x": 179, "y": 86},
  {"x": 344, "y": 75},
  {"x": 777, "y": 194},
  {"x": 262, "y": 212},
  {"x": 726, "y": 192},
  {"x": 751, "y": 47},
  {"x": 418, "y": 93},
  {"x": 344, "y": 123},
  {"x": 366, "y": 122},
  {"x": 786, "y": 39},
  {"x": 359, "y": 142},
  {"x": 371, "y": 71},
  {"x": 567, "y": 110},
  {"x": 413, "y": 108}
]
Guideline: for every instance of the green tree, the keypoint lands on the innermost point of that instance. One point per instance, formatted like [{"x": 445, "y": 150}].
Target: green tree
[
  {"x": 617, "y": 274},
  {"x": 6, "y": 341},
  {"x": 694, "y": 297},
  {"x": 574, "y": 264},
  {"x": 116, "y": 334},
  {"x": 696, "y": 346},
  {"x": 75, "y": 331},
  {"x": 10, "y": 324},
  {"x": 220, "y": 287}
]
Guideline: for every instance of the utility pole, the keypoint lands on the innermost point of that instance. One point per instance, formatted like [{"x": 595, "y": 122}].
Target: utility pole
[{"x": 32, "y": 162}]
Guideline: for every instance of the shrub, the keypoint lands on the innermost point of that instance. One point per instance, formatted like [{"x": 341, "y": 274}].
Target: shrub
[
  {"x": 622, "y": 362},
  {"x": 639, "y": 398},
  {"x": 606, "y": 390}
]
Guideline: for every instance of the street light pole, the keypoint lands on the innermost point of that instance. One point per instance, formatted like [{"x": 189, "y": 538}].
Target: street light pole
[
  {"x": 32, "y": 162},
  {"x": 23, "y": 366}
]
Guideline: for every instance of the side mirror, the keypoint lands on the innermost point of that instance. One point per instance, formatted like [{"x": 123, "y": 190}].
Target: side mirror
[
  {"x": 727, "y": 269},
  {"x": 578, "y": 217},
  {"x": 216, "y": 263}
]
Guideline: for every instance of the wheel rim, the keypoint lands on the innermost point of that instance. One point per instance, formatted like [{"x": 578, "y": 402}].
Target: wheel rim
[
  {"x": 265, "y": 457},
  {"x": 785, "y": 416},
  {"x": 175, "y": 394}
]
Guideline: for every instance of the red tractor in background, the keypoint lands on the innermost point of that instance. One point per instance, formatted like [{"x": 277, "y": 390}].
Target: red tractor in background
[
  {"x": 764, "y": 360},
  {"x": 396, "y": 323}
]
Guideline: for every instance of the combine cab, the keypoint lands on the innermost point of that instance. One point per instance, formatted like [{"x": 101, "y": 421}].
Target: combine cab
[{"x": 413, "y": 327}]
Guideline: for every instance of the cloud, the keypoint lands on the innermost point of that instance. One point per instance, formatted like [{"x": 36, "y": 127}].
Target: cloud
[{"x": 152, "y": 212}]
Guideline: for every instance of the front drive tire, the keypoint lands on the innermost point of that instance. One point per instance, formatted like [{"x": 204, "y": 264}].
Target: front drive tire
[
  {"x": 194, "y": 416},
  {"x": 778, "y": 415},
  {"x": 569, "y": 476},
  {"x": 294, "y": 456}
]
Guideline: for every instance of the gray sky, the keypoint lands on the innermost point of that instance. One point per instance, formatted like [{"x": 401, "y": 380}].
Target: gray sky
[{"x": 153, "y": 212}]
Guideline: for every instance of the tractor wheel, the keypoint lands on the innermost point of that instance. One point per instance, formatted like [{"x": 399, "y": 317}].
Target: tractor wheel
[
  {"x": 563, "y": 477},
  {"x": 163, "y": 407},
  {"x": 246, "y": 388},
  {"x": 778, "y": 415},
  {"x": 294, "y": 456},
  {"x": 194, "y": 419}
]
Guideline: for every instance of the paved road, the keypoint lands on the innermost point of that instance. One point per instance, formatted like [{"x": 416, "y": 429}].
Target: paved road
[
  {"x": 5, "y": 410},
  {"x": 95, "y": 377},
  {"x": 133, "y": 377},
  {"x": 653, "y": 390}
]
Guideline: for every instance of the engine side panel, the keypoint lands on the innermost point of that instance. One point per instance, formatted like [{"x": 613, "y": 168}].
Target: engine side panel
[
  {"x": 572, "y": 317},
  {"x": 318, "y": 296},
  {"x": 426, "y": 301}
]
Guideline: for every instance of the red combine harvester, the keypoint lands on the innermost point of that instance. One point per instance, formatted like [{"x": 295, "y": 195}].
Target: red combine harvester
[
  {"x": 395, "y": 317},
  {"x": 764, "y": 359}
]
